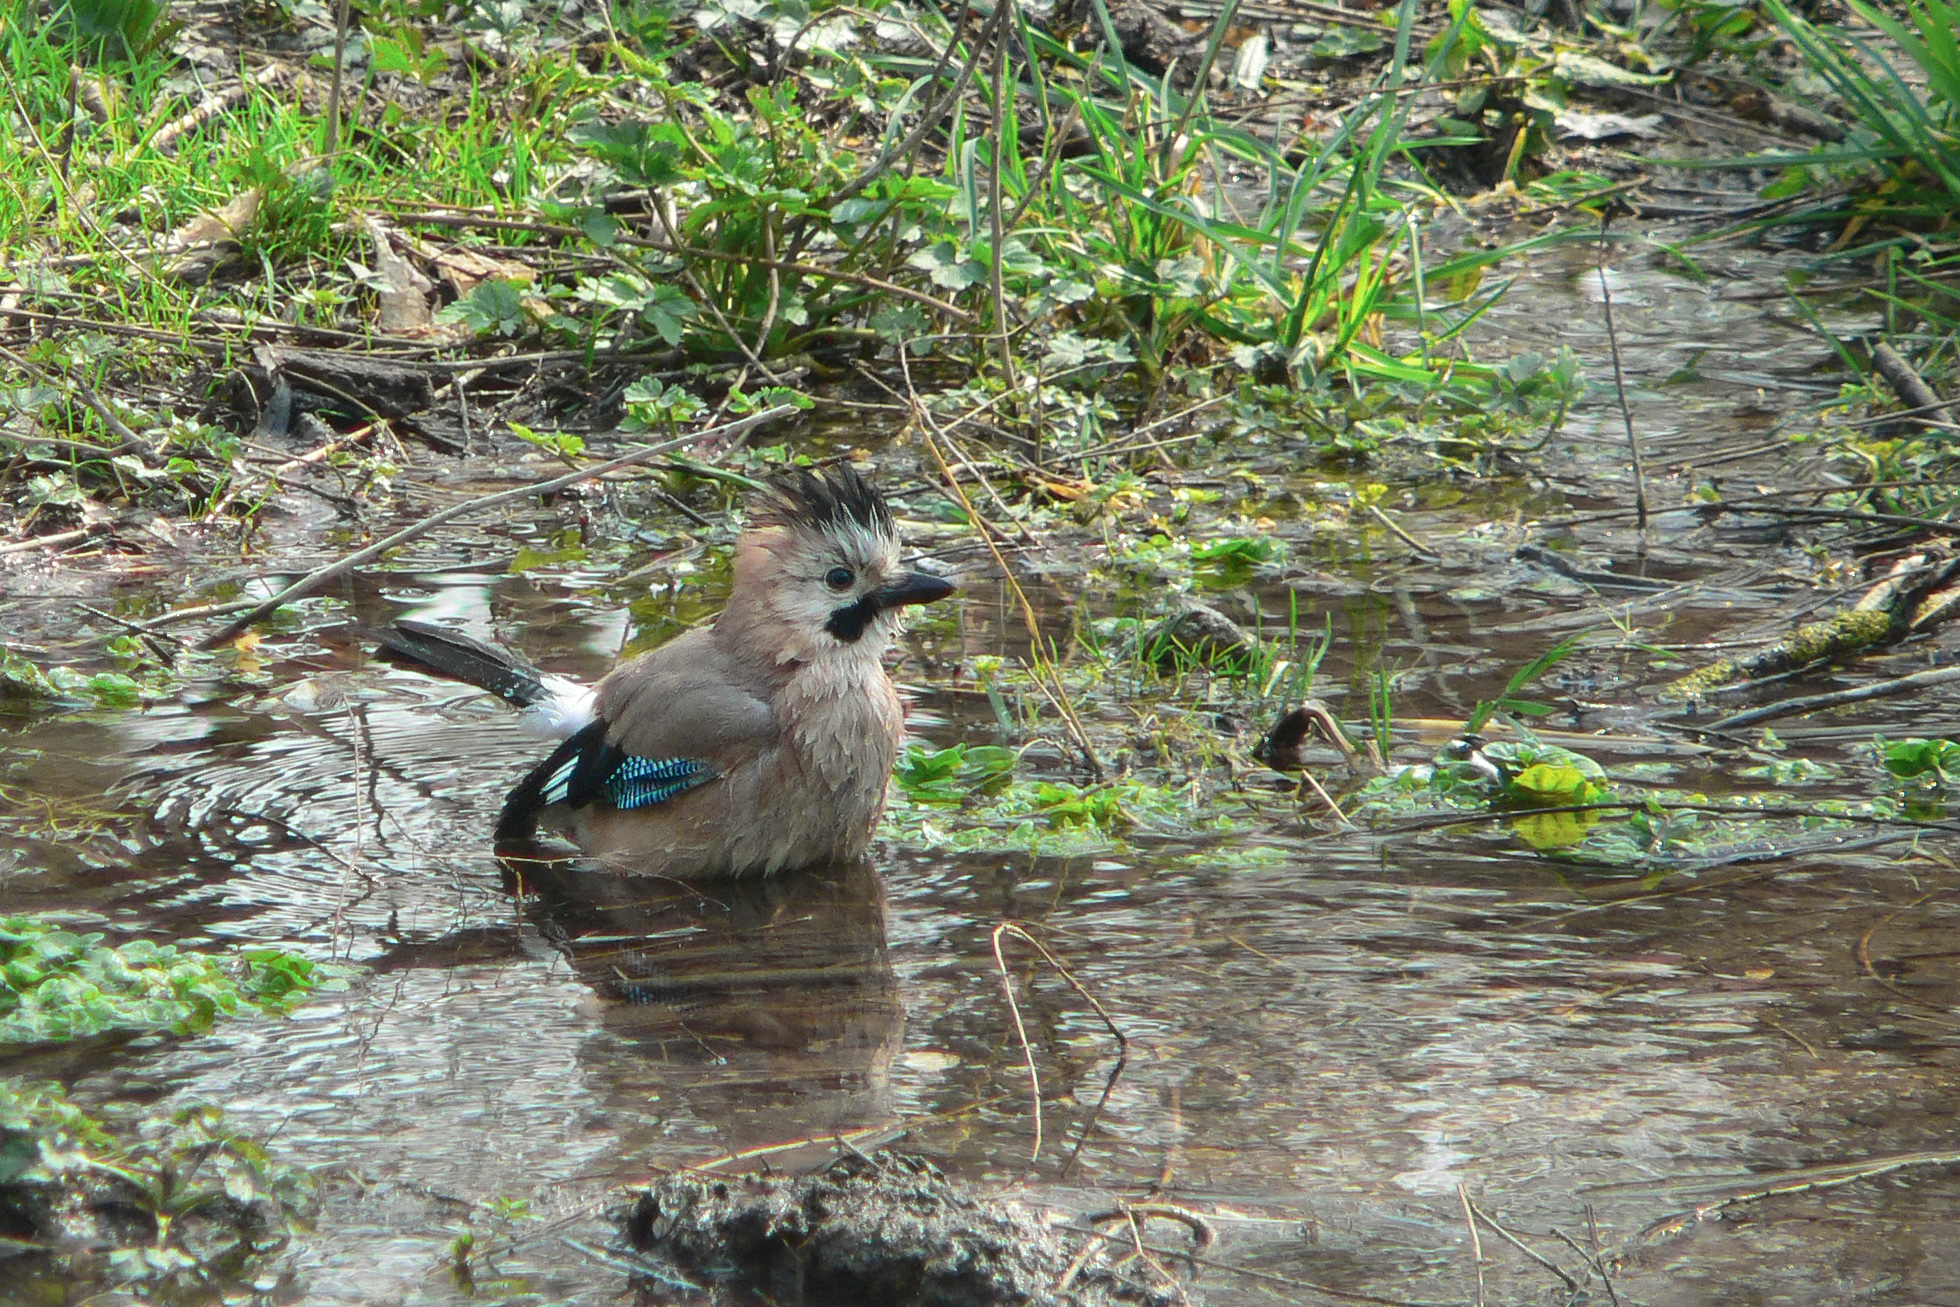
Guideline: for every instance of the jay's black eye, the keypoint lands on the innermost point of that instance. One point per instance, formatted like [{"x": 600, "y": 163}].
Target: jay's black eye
[{"x": 838, "y": 578}]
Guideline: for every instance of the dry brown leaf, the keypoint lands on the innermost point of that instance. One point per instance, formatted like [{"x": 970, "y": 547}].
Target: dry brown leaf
[{"x": 404, "y": 294}]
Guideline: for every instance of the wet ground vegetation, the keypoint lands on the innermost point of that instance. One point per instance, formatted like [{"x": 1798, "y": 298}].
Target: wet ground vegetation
[{"x": 1490, "y": 454}]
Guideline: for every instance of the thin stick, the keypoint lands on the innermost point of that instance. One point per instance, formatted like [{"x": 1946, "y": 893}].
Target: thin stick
[
  {"x": 1000, "y": 958},
  {"x": 1395, "y": 530},
  {"x": 55, "y": 541},
  {"x": 152, "y": 640},
  {"x": 331, "y": 142},
  {"x": 1003, "y": 123},
  {"x": 1476, "y": 1244},
  {"x": 1812, "y": 702},
  {"x": 1592, "y": 1241},
  {"x": 117, "y": 427},
  {"x": 1620, "y": 384},
  {"x": 934, "y": 112},
  {"x": 1326, "y": 798},
  {"x": 1051, "y": 683},
  {"x": 1592, "y": 1260},
  {"x": 1015, "y": 928},
  {"x": 1524, "y": 1248},
  {"x": 1027, "y": 1049},
  {"x": 320, "y": 576}
]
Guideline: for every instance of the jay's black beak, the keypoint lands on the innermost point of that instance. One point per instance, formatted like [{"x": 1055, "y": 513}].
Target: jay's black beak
[{"x": 914, "y": 588}]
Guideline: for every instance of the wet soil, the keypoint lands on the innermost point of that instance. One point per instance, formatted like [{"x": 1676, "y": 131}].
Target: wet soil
[
  {"x": 890, "y": 1229},
  {"x": 1335, "y": 1036}
]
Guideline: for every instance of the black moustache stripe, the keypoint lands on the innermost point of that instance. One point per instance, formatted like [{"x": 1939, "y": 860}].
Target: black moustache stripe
[{"x": 848, "y": 624}]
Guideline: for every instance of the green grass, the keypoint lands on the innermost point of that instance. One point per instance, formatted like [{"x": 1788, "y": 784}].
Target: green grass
[{"x": 1123, "y": 273}]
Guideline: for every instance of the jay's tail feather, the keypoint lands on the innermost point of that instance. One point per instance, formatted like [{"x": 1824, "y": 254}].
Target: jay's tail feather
[
  {"x": 576, "y": 766},
  {"x": 556, "y": 706}
]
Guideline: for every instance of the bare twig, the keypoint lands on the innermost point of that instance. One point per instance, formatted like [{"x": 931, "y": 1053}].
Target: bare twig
[
  {"x": 1395, "y": 530},
  {"x": 1020, "y": 1029},
  {"x": 1620, "y": 382},
  {"x": 55, "y": 541},
  {"x": 1812, "y": 702},
  {"x": 1795, "y": 1182},
  {"x": 1027, "y": 1049},
  {"x": 153, "y": 640},
  {"x": 1476, "y": 1244},
  {"x": 131, "y": 442},
  {"x": 1109, "y": 1023},
  {"x": 934, "y": 113},
  {"x": 1523, "y": 1247},
  {"x": 1004, "y": 123},
  {"x": 1592, "y": 1257},
  {"x": 1050, "y": 682}
]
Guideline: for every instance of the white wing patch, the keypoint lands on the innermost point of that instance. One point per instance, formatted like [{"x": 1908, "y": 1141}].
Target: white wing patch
[{"x": 557, "y": 786}]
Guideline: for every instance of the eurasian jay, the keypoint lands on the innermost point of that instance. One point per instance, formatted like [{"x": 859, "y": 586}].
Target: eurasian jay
[{"x": 762, "y": 742}]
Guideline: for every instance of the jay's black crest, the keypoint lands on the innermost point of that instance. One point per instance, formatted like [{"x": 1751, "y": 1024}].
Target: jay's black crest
[{"x": 833, "y": 499}]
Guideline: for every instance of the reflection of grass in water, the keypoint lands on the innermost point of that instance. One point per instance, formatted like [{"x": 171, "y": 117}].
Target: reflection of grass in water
[
  {"x": 184, "y": 1206},
  {"x": 30, "y": 815},
  {"x": 967, "y": 798},
  {"x": 1563, "y": 804}
]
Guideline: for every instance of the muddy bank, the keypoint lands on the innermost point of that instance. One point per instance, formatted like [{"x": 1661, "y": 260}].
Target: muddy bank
[{"x": 891, "y": 1230}]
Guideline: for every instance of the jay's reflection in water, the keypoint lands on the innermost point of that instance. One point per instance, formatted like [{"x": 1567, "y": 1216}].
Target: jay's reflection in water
[{"x": 735, "y": 1014}]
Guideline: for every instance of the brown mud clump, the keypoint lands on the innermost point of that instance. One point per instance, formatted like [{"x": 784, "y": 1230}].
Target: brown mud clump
[{"x": 889, "y": 1230}]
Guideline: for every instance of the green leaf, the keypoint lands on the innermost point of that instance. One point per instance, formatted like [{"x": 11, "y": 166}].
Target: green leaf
[
  {"x": 494, "y": 306},
  {"x": 947, "y": 266}
]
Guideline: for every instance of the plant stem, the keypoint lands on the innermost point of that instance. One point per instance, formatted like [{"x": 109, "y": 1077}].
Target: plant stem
[{"x": 1620, "y": 383}]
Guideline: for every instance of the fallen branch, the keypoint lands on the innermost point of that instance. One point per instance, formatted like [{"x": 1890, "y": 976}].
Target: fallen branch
[
  {"x": 55, "y": 541},
  {"x": 1813, "y": 702},
  {"x": 320, "y": 576},
  {"x": 1890, "y": 611},
  {"x": 1909, "y": 385}
]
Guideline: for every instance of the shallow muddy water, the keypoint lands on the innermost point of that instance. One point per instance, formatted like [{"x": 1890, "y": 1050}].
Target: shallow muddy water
[{"x": 1332, "y": 1035}]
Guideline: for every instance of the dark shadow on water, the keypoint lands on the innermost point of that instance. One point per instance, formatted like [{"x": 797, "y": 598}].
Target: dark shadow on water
[{"x": 767, "y": 1005}]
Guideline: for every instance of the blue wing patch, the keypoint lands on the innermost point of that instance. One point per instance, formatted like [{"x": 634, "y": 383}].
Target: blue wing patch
[
  {"x": 643, "y": 782},
  {"x": 586, "y": 768}
]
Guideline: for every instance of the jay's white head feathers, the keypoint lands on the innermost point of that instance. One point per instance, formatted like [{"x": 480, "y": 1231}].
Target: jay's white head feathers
[{"x": 818, "y": 576}]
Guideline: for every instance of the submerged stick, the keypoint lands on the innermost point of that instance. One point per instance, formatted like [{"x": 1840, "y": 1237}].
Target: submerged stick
[
  {"x": 1476, "y": 1244},
  {"x": 1620, "y": 383},
  {"x": 1027, "y": 1049},
  {"x": 1789, "y": 1182},
  {"x": 320, "y": 576},
  {"x": 1813, "y": 702},
  {"x": 1020, "y": 1029}
]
